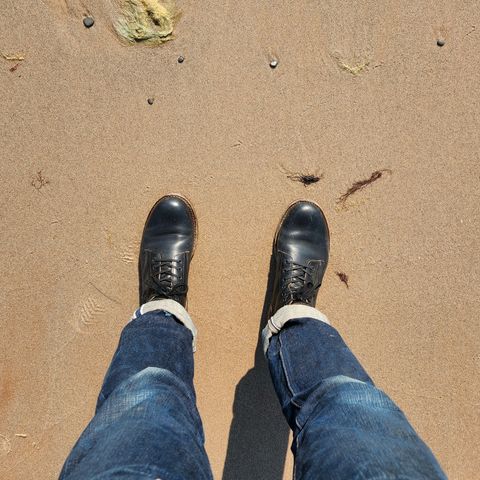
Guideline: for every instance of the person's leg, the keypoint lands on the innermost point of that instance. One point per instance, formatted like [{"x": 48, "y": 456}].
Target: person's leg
[
  {"x": 146, "y": 424},
  {"x": 344, "y": 427}
]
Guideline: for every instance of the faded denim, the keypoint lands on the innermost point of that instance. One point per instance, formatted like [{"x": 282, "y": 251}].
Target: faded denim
[
  {"x": 147, "y": 425},
  {"x": 344, "y": 427}
]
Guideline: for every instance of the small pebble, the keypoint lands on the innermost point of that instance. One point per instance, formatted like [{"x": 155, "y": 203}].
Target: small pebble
[
  {"x": 440, "y": 42},
  {"x": 150, "y": 101},
  {"x": 88, "y": 22},
  {"x": 274, "y": 64},
  {"x": 181, "y": 59}
]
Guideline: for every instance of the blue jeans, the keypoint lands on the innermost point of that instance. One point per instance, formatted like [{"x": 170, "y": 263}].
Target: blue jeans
[{"x": 147, "y": 426}]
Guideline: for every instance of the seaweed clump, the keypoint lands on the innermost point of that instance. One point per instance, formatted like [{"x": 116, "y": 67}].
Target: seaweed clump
[
  {"x": 150, "y": 22},
  {"x": 305, "y": 178}
]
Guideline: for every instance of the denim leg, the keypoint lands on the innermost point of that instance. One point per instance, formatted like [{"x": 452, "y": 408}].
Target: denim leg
[
  {"x": 344, "y": 427},
  {"x": 146, "y": 424}
]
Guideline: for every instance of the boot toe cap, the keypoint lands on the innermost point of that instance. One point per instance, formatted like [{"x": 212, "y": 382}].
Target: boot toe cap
[{"x": 304, "y": 232}]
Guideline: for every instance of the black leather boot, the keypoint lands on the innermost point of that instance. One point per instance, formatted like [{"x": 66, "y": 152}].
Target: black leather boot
[
  {"x": 166, "y": 250},
  {"x": 300, "y": 251}
]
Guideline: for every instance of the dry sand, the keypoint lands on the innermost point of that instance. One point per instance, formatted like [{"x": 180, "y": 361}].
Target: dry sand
[{"x": 359, "y": 87}]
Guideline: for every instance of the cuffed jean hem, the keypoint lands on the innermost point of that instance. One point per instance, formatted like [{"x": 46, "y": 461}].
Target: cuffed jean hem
[
  {"x": 172, "y": 307},
  {"x": 284, "y": 315}
]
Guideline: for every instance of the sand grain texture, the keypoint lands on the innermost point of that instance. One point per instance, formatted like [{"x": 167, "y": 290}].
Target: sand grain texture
[{"x": 222, "y": 125}]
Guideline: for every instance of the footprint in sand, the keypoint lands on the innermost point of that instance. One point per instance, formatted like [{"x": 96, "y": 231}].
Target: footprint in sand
[
  {"x": 88, "y": 314},
  {"x": 5, "y": 445},
  {"x": 130, "y": 254}
]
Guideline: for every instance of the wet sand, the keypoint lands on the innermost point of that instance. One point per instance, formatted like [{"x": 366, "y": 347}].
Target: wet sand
[{"x": 85, "y": 155}]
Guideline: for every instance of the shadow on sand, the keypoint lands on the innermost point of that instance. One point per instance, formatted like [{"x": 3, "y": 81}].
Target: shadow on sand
[{"x": 258, "y": 439}]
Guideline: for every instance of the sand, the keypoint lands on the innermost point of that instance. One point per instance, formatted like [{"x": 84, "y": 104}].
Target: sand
[{"x": 84, "y": 156}]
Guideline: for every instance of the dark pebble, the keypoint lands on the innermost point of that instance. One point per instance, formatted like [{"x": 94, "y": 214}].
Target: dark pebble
[
  {"x": 150, "y": 101},
  {"x": 440, "y": 42},
  {"x": 88, "y": 22},
  {"x": 274, "y": 64},
  {"x": 181, "y": 59}
]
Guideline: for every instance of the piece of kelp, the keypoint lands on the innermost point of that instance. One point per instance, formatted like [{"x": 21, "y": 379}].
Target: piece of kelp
[{"x": 150, "y": 22}]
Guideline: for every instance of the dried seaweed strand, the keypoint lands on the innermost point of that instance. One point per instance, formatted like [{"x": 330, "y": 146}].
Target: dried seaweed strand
[{"x": 361, "y": 184}]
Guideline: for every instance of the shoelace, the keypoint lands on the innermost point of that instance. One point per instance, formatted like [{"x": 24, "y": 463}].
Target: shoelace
[
  {"x": 163, "y": 279},
  {"x": 295, "y": 286}
]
